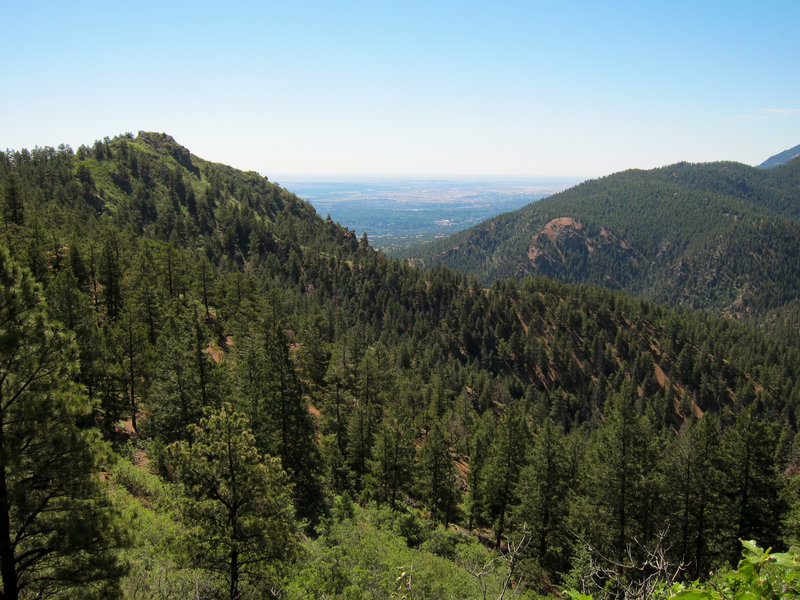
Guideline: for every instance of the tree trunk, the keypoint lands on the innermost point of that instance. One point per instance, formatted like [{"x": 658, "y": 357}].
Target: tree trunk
[
  {"x": 234, "y": 575},
  {"x": 131, "y": 374},
  {"x": 8, "y": 561}
]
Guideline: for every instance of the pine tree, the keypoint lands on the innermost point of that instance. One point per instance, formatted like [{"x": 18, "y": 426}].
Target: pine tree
[
  {"x": 752, "y": 481},
  {"x": 270, "y": 390},
  {"x": 238, "y": 505},
  {"x": 57, "y": 531},
  {"x": 505, "y": 461},
  {"x": 623, "y": 478},
  {"x": 542, "y": 492},
  {"x": 475, "y": 501},
  {"x": 392, "y": 457},
  {"x": 694, "y": 485},
  {"x": 360, "y": 434},
  {"x": 110, "y": 276},
  {"x": 175, "y": 397},
  {"x": 438, "y": 480},
  {"x": 13, "y": 211}
]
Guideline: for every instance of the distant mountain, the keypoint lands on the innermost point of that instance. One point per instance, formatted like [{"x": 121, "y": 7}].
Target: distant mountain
[
  {"x": 720, "y": 236},
  {"x": 781, "y": 158}
]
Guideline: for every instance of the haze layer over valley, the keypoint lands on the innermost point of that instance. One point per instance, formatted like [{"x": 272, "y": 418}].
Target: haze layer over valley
[{"x": 399, "y": 212}]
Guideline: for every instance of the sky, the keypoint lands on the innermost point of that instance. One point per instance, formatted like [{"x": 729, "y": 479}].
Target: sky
[{"x": 513, "y": 88}]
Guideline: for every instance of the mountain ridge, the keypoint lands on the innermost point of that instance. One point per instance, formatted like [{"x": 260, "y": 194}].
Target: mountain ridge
[
  {"x": 718, "y": 236},
  {"x": 780, "y": 158}
]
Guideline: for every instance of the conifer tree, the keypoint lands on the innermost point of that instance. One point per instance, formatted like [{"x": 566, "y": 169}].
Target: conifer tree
[
  {"x": 175, "y": 397},
  {"x": 360, "y": 434},
  {"x": 505, "y": 460},
  {"x": 623, "y": 478},
  {"x": 13, "y": 211},
  {"x": 238, "y": 503},
  {"x": 270, "y": 390},
  {"x": 753, "y": 484},
  {"x": 438, "y": 480},
  {"x": 110, "y": 276},
  {"x": 694, "y": 490},
  {"x": 542, "y": 491},
  {"x": 475, "y": 501},
  {"x": 392, "y": 457},
  {"x": 57, "y": 531}
]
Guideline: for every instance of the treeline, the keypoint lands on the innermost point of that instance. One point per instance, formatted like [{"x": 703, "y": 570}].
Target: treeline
[{"x": 577, "y": 416}]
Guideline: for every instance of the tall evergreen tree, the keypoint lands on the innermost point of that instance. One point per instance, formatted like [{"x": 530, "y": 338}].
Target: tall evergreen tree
[
  {"x": 175, "y": 398},
  {"x": 695, "y": 485},
  {"x": 753, "y": 484},
  {"x": 238, "y": 503},
  {"x": 475, "y": 501},
  {"x": 392, "y": 457},
  {"x": 542, "y": 493},
  {"x": 438, "y": 479},
  {"x": 360, "y": 434},
  {"x": 505, "y": 460},
  {"x": 272, "y": 393},
  {"x": 623, "y": 480},
  {"x": 13, "y": 206},
  {"x": 110, "y": 276},
  {"x": 57, "y": 531}
]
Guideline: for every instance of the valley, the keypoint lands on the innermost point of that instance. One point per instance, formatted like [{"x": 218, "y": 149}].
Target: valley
[
  {"x": 400, "y": 301},
  {"x": 398, "y": 213},
  {"x": 235, "y": 396}
]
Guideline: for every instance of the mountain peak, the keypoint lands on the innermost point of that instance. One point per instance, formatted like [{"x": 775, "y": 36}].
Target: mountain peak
[
  {"x": 157, "y": 140},
  {"x": 780, "y": 158},
  {"x": 166, "y": 144}
]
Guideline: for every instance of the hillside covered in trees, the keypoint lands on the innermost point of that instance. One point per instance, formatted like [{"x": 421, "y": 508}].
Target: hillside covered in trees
[
  {"x": 719, "y": 236},
  {"x": 207, "y": 390}
]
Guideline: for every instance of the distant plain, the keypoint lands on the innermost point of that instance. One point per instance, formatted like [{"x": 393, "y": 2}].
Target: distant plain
[{"x": 397, "y": 213}]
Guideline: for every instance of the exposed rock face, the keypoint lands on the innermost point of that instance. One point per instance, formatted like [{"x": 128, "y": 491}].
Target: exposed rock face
[
  {"x": 564, "y": 241},
  {"x": 562, "y": 235}
]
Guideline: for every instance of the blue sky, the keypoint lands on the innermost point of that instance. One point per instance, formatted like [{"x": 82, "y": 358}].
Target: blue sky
[{"x": 425, "y": 88}]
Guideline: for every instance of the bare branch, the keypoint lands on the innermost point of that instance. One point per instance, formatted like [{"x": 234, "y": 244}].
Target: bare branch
[{"x": 644, "y": 568}]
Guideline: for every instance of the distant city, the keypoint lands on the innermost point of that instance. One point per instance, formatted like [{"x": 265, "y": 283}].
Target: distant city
[{"x": 397, "y": 213}]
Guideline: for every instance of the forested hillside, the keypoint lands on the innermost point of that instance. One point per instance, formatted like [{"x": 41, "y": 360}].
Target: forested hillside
[
  {"x": 243, "y": 400},
  {"x": 721, "y": 236}
]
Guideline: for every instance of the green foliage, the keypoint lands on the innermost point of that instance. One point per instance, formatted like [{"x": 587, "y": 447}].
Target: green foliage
[
  {"x": 622, "y": 478},
  {"x": 542, "y": 487},
  {"x": 567, "y": 408},
  {"x": 182, "y": 380},
  {"x": 752, "y": 486},
  {"x": 366, "y": 556},
  {"x": 237, "y": 506},
  {"x": 158, "y": 566},
  {"x": 438, "y": 480},
  {"x": 271, "y": 394},
  {"x": 695, "y": 485},
  {"x": 390, "y": 467},
  {"x": 57, "y": 531}
]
